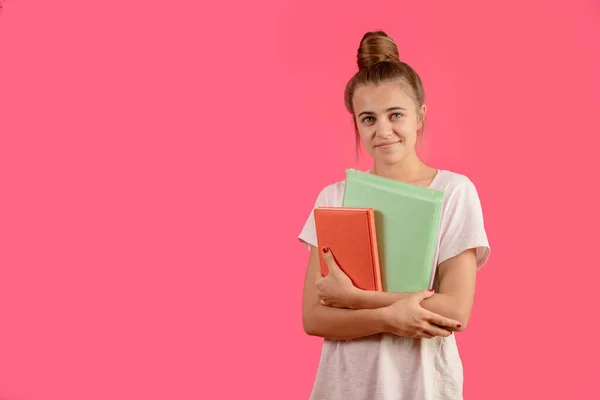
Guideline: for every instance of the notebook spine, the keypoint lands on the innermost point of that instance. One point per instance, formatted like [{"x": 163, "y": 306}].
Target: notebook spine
[
  {"x": 375, "y": 251},
  {"x": 435, "y": 250}
]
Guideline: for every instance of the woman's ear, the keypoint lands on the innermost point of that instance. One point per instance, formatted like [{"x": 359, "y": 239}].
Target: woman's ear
[{"x": 422, "y": 112}]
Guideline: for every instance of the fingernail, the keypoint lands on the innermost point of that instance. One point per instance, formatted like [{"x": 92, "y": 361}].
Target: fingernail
[
  {"x": 458, "y": 325},
  {"x": 431, "y": 290},
  {"x": 325, "y": 249}
]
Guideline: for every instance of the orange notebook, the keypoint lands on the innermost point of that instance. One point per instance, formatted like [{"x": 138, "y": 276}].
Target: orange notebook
[{"x": 351, "y": 236}]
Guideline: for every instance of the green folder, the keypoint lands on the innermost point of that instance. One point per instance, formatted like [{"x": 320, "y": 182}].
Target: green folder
[{"x": 407, "y": 221}]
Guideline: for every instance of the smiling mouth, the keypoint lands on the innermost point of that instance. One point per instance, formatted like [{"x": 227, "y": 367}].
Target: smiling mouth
[{"x": 386, "y": 145}]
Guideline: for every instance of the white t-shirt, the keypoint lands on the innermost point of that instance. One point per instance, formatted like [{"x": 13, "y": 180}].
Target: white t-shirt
[{"x": 389, "y": 367}]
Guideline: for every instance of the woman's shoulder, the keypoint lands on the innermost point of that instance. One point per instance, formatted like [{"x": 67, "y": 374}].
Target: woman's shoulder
[
  {"x": 332, "y": 194},
  {"x": 460, "y": 193},
  {"x": 452, "y": 182}
]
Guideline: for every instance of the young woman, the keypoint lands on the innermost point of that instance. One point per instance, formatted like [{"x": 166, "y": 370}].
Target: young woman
[{"x": 381, "y": 345}]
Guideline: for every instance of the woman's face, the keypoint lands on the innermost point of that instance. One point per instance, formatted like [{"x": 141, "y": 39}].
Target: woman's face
[{"x": 387, "y": 120}]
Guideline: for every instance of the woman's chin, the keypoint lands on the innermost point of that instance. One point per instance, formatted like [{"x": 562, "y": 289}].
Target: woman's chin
[{"x": 390, "y": 159}]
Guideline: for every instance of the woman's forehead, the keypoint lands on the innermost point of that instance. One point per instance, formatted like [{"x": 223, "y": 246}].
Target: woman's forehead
[{"x": 379, "y": 98}]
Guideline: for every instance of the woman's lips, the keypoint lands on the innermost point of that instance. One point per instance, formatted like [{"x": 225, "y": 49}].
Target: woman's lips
[{"x": 386, "y": 145}]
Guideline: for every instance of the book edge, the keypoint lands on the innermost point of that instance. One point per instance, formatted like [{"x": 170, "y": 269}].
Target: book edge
[
  {"x": 406, "y": 189},
  {"x": 374, "y": 251}
]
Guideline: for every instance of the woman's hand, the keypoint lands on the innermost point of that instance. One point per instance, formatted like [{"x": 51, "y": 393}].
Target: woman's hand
[
  {"x": 335, "y": 289},
  {"x": 406, "y": 317}
]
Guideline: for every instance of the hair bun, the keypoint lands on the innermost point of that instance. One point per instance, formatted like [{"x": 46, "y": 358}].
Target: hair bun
[{"x": 376, "y": 47}]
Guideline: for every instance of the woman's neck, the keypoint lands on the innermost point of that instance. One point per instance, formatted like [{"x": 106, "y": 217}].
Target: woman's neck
[{"x": 408, "y": 170}]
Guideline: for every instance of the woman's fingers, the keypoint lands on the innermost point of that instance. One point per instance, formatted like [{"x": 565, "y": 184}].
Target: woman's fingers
[
  {"x": 439, "y": 320},
  {"x": 329, "y": 260},
  {"x": 433, "y": 330}
]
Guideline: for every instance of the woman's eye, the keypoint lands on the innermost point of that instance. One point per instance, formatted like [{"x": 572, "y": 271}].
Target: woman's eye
[
  {"x": 396, "y": 115},
  {"x": 368, "y": 120}
]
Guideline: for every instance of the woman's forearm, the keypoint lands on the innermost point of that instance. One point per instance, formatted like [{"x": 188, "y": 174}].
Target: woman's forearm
[
  {"x": 339, "y": 323},
  {"x": 441, "y": 304},
  {"x": 450, "y": 307},
  {"x": 369, "y": 299}
]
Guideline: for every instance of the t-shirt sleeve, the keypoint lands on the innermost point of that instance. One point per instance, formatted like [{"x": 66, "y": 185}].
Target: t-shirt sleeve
[
  {"x": 308, "y": 235},
  {"x": 465, "y": 226}
]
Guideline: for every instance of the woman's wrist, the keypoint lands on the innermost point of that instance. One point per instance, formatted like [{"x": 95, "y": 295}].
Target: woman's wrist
[
  {"x": 384, "y": 316},
  {"x": 355, "y": 300}
]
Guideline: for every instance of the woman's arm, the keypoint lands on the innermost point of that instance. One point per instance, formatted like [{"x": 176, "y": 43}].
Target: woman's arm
[
  {"x": 331, "y": 322},
  {"x": 456, "y": 288},
  {"x": 403, "y": 318},
  {"x": 454, "y": 298}
]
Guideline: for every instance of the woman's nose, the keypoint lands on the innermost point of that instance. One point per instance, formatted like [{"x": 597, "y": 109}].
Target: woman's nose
[{"x": 384, "y": 128}]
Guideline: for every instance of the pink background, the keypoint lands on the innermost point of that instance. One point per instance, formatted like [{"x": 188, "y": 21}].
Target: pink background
[{"x": 158, "y": 159}]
